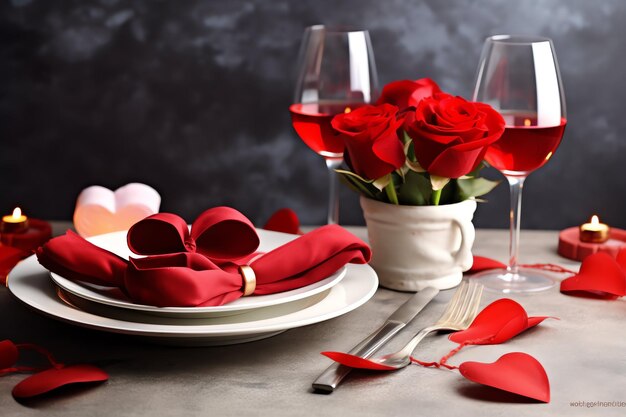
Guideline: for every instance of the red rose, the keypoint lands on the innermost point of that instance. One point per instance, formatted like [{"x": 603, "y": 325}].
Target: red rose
[
  {"x": 407, "y": 93},
  {"x": 373, "y": 149},
  {"x": 451, "y": 135}
]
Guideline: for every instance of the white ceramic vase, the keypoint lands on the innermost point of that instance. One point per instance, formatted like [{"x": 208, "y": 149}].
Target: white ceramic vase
[{"x": 414, "y": 247}]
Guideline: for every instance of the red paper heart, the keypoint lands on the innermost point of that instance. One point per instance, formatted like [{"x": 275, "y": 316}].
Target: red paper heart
[
  {"x": 284, "y": 220},
  {"x": 8, "y": 354},
  {"x": 514, "y": 372},
  {"x": 51, "y": 379},
  {"x": 497, "y": 323},
  {"x": 357, "y": 362},
  {"x": 600, "y": 276},
  {"x": 481, "y": 264}
]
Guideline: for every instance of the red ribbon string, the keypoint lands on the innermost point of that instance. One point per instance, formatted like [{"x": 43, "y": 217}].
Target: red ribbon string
[
  {"x": 443, "y": 362},
  {"x": 549, "y": 267},
  {"x": 42, "y": 351},
  {"x": 433, "y": 364}
]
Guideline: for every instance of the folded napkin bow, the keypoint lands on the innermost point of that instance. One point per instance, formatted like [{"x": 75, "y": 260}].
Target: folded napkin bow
[
  {"x": 210, "y": 266},
  {"x": 220, "y": 233}
]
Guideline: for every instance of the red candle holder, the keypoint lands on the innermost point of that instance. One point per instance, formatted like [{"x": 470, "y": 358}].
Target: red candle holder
[
  {"x": 19, "y": 245},
  {"x": 570, "y": 245}
]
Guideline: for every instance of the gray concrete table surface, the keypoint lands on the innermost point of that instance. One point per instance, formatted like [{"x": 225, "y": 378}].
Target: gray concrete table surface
[{"x": 584, "y": 354}]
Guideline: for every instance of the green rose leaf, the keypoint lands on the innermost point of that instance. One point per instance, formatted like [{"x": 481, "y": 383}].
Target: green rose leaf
[
  {"x": 358, "y": 183},
  {"x": 474, "y": 187},
  {"x": 415, "y": 191}
]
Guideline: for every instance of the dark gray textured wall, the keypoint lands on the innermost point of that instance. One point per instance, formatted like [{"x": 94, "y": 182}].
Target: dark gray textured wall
[{"x": 191, "y": 97}]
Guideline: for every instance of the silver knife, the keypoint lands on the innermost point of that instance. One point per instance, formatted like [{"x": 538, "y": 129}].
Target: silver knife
[{"x": 331, "y": 377}]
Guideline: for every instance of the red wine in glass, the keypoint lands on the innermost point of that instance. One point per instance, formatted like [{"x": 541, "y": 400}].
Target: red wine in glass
[
  {"x": 311, "y": 122},
  {"x": 524, "y": 146},
  {"x": 519, "y": 77},
  {"x": 336, "y": 73}
]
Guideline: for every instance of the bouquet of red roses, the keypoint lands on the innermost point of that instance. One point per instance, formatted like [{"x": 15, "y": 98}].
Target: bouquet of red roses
[{"x": 418, "y": 145}]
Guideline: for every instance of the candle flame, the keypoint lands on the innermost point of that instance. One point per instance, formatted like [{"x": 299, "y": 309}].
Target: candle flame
[
  {"x": 527, "y": 122},
  {"x": 595, "y": 219},
  {"x": 17, "y": 213},
  {"x": 347, "y": 110}
]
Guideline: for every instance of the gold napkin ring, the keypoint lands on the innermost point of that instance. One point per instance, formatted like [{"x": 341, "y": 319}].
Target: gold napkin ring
[{"x": 249, "y": 279}]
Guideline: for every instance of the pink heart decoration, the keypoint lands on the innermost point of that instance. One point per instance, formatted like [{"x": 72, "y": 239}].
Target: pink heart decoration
[
  {"x": 481, "y": 264},
  {"x": 357, "y": 362},
  {"x": 100, "y": 210},
  {"x": 8, "y": 354},
  {"x": 497, "y": 323},
  {"x": 284, "y": 220},
  {"x": 51, "y": 379},
  {"x": 600, "y": 276},
  {"x": 514, "y": 372}
]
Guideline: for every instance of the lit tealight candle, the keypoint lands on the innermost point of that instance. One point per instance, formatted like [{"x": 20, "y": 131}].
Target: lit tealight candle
[
  {"x": 14, "y": 223},
  {"x": 594, "y": 231}
]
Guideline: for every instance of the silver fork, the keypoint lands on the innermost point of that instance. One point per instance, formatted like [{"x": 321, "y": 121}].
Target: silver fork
[{"x": 459, "y": 314}]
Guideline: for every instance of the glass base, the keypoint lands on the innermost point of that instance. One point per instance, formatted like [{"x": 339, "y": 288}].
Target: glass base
[{"x": 526, "y": 280}]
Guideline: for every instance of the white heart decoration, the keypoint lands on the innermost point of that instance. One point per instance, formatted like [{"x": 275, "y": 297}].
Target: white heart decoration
[{"x": 100, "y": 210}]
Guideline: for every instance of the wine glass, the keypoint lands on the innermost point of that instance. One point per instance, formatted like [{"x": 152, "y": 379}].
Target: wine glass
[
  {"x": 519, "y": 76},
  {"x": 336, "y": 74}
]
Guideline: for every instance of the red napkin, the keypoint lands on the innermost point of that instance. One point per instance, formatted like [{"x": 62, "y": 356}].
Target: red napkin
[
  {"x": 193, "y": 278},
  {"x": 220, "y": 233}
]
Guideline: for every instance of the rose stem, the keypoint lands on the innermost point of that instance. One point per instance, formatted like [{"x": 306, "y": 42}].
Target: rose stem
[
  {"x": 436, "y": 196},
  {"x": 390, "y": 190}
]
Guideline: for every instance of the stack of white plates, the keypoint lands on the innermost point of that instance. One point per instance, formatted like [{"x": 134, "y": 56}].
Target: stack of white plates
[{"x": 249, "y": 318}]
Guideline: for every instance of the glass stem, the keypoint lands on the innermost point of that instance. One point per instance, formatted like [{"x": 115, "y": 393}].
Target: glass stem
[
  {"x": 333, "y": 190},
  {"x": 516, "y": 184}
]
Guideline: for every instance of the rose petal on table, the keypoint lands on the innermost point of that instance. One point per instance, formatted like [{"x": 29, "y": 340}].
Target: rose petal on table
[
  {"x": 8, "y": 354},
  {"x": 481, "y": 264},
  {"x": 357, "y": 362},
  {"x": 600, "y": 276},
  {"x": 496, "y": 323},
  {"x": 51, "y": 379},
  {"x": 514, "y": 372},
  {"x": 284, "y": 220}
]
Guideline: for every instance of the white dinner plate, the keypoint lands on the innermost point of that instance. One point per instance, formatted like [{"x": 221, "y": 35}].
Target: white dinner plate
[
  {"x": 116, "y": 243},
  {"x": 30, "y": 283}
]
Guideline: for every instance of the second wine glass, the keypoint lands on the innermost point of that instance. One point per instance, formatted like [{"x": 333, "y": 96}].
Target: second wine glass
[
  {"x": 337, "y": 73},
  {"x": 519, "y": 76}
]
